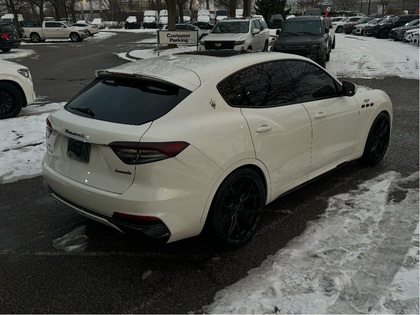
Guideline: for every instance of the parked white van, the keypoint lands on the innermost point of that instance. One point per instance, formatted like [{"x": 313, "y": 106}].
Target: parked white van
[
  {"x": 203, "y": 16},
  {"x": 163, "y": 18},
  {"x": 150, "y": 19},
  {"x": 9, "y": 17}
]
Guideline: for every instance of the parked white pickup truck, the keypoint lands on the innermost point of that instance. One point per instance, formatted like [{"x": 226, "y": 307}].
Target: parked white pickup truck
[{"x": 55, "y": 30}]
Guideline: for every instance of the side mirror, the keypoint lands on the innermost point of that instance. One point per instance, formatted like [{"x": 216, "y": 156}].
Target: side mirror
[
  {"x": 348, "y": 88},
  {"x": 255, "y": 31}
]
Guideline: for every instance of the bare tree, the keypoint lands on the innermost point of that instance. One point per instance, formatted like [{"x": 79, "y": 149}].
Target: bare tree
[
  {"x": 180, "y": 4},
  {"x": 247, "y": 8},
  {"x": 15, "y": 7},
  {"x": 384, "y": 4},
  {"x": 346, "y": 5}
]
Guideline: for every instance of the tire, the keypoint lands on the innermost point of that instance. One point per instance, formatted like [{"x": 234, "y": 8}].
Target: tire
[
  {"x": 11, "y": 100},
  {"x": 74, "y": 37},
  {"x": 323, "y": 62},
  {"x": 339, "y": 29},
  {"x": 6, "y": 49},
  {"x": 377, "y": 140},
  {"x": 328, "y": 52},
  {"x": 35, "y": 38},
  {"x": 265, "y": 46},
  {"x": 384, "y": 33},
  {"x": 237, "y": 209}
]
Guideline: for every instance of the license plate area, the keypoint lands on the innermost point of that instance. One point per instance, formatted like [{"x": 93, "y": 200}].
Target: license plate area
[{"x": 78, "y": 150}]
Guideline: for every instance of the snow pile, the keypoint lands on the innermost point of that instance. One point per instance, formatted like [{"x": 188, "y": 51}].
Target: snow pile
[{"x": 361, "y": 256}]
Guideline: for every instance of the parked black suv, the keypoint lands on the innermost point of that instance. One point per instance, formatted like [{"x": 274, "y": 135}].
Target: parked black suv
[
  {"x": 9, "y": 38},
  {"x": 382, "y": 29},
  {"x": 306, "y": 36}
]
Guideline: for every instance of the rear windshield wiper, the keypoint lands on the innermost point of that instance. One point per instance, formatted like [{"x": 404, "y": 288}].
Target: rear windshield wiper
[{"x": 308, "y": 33}]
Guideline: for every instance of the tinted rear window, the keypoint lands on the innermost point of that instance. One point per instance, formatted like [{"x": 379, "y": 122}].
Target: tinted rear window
[
  {"x": 126, "y": 101},
  {"x": 7, "y": 28}
]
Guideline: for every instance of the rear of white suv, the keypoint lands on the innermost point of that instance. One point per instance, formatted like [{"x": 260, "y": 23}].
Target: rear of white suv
[{"x": 238, "y": 34}]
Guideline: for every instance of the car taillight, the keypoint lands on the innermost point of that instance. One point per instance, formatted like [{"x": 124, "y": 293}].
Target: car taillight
[
  {"x": 146, "y": 152},
  {"x": 5, "y": 36},
  {"x": 48, "y": 128}
]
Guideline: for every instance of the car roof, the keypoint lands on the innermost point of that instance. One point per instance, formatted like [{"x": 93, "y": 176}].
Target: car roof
[
  {"x": 190, "y": 70},
  {"x": 245, "y": 19},
  {"x": 305, "y": 18}
]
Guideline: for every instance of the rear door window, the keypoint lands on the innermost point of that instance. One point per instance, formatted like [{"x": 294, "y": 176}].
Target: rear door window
[{"x": 126, "y": 101}]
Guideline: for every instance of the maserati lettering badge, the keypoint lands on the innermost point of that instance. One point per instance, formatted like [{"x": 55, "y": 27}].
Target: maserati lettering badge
[
  {"x": 81, "y": 135},
  {"x": 122, "y": 172}
]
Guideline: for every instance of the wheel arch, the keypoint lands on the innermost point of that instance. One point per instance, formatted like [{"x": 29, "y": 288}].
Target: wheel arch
[
  {"x": 17, "y": 85},
  {"x": 362, "y": 144},
  {"x": 35, "y": 33},
  {"x": 253, "y": 164},
  {"x": 79, "y": 38}
]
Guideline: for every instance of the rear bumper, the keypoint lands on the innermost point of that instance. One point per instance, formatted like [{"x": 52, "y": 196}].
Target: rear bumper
[
  {"x": 9, "y": 44},
  {"x": 157, "y": 232},
  {"x": 175, "y": 197}
]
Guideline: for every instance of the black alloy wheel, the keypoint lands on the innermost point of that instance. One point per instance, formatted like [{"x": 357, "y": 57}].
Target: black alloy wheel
[
  {"x": 237, "y": 208},
  {"x": 11, "y": 101},
  {"x": 377, "y": 141}
]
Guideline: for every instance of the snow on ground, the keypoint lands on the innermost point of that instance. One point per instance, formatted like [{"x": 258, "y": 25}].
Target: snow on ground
[{"x": 361, "y": 256}]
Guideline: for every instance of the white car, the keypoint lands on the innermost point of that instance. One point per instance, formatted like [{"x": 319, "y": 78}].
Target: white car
[
  {"x": 238, "y": 34},
  {"x": 91, "y": 28},
  {"x": 175, "y": 145},
  {"x": 16, "y": 89},
  {"x": 99, "y": 23},
  {"x": 339, "y": 25}
]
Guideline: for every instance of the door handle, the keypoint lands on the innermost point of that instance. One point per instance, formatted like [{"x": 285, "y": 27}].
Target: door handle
[
  {"x": 263, "y": 128},
  {"x": 320, "y": 115}
]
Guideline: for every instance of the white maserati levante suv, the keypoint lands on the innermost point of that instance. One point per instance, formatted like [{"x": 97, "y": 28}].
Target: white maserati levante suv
[{"x": 175, "y": 145}]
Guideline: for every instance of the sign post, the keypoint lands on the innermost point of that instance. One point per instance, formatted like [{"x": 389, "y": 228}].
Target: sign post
[{"x": 177, "y": 37}]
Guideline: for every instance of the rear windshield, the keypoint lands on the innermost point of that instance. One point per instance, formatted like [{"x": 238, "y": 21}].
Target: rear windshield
[
  {"x": 126, "y": 101},
  {"x": 301, "y": 27},
  {"x": 7, "y": 28}
]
